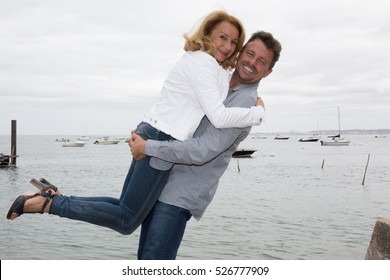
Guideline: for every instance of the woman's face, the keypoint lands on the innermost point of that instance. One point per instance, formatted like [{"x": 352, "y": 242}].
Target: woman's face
[{"x": 224, "y": 37}]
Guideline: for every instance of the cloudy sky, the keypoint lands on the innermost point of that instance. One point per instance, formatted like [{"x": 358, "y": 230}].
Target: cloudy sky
[{"x": 77, "y": 66}]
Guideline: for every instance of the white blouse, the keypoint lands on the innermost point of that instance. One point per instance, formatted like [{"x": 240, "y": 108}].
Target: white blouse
[{"x": 197, "y": 86}]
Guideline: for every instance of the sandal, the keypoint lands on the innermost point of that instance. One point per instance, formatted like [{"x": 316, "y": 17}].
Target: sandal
[{"x": 18, "y": 205}]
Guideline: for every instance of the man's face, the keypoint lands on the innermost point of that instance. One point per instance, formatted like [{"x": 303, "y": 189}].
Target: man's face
[{"x": 253, "y": 62}]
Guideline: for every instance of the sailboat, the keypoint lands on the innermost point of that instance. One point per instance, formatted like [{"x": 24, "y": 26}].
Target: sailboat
[
  {"x": 313, "y": 138},
  {"x": 336, "y": 140},
  {"x": 310, "y": 139},
  {"x": 85, "y": 138}
]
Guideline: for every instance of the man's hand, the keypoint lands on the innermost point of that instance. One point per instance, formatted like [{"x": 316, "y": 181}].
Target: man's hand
[
  {"x": 137, "y": 146},
  {"x": 260, "y": 102}
]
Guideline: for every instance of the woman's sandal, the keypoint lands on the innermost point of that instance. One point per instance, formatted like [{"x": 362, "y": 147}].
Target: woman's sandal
[{"x": 46, "y": 190}]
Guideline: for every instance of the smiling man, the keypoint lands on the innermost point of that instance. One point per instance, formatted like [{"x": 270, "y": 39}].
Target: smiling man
[{"x": 202, "y": 160}]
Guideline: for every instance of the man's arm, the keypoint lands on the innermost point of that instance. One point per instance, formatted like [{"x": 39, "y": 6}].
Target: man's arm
[{"x": 198, "y": 150}]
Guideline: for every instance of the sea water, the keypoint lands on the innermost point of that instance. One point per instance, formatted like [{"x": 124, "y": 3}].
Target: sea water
[{"x": 291, "y": 201}]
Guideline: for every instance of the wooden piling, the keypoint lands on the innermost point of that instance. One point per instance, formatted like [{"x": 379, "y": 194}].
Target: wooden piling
[
  {"x": 379, "y": 248},
  {"x": 365, "y": 171},
  {"x": 13, "y": 142}
]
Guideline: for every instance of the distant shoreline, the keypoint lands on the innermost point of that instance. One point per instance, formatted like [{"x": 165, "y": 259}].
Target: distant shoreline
[{"x": 331, "y": 132}]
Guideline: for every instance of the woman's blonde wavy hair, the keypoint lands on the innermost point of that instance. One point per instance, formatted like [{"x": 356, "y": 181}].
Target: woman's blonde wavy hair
[{"x": 200, "y": 39}]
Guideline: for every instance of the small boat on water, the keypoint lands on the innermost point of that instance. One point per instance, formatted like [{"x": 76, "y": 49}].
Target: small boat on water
[
  {"x": 74, "y": 144},
  {"x": 83, "y": 138},
  {"x": 334, "y": 136},
  {"x": 62, "y": 140},
  {"x": 309, "y": 139},
  {"x": 106, "y": 141},
  {"x": 336, "y": 140},
  {"x": 278, "y": 137},
  {"x": 4, "y": 159},
  {"x": 243, "y": 153}
]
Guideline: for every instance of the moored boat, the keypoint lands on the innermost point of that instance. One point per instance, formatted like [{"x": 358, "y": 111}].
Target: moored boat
[
  {"x": 279, "y": 137},
  {"x": 73, "y": 144},
  {"x": 243, "y": 153},
  {"x": 4, "y": 159},
  {"x": 309, "y": 139},
  {"x": 336, "y": 140},
  {"x": 83, "y": 138},
  {"x": 62, "y": 140},
  {"x": 106, "y": 141}
]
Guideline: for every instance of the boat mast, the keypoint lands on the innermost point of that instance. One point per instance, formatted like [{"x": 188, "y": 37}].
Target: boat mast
[{"x": 338, "y": 108}]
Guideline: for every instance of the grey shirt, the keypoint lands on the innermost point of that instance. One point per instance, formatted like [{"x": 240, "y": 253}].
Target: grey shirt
[{"x": 201, "y": 160}]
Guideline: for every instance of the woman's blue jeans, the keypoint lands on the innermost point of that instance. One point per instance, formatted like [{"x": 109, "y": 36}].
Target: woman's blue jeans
[{"x": 141, "y": 189}]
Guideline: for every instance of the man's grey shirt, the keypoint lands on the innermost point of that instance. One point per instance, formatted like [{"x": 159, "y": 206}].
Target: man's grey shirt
[{"x": 201, "y": 160}]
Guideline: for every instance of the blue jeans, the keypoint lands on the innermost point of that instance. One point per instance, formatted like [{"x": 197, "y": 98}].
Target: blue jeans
[
  {"x": 162, "y": 232},
  {"x": 141, "y": 189}
]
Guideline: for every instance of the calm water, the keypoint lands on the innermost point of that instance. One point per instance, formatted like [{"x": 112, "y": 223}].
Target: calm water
[{"x": 277, "y": 207}]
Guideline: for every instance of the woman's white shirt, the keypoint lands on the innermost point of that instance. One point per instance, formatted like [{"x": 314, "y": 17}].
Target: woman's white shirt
[{"x": 197, "y": 86}]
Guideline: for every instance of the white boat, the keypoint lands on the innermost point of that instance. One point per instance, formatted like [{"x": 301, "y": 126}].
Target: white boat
[
  {"x": 279, "y": 137},
  {"x": 74, "y": 144},
  {"x": 336, "y": 140},
  {"x": 83, "y": 138},
  {"x": 62, "y": 140},
  {"x": 309, "y": 139},
  {"x": 106, "y": 141},
  {"x": 313, "y": 138},
  {"x": 258, "y": 136}
]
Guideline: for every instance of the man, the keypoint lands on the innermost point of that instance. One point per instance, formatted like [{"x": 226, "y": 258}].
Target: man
[{"x": 202, "y": 160}]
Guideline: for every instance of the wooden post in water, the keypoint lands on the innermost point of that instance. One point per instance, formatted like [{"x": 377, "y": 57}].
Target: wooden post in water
[
  {"x": 365, "y": 171},
  {"x": 13, "y": 142}
]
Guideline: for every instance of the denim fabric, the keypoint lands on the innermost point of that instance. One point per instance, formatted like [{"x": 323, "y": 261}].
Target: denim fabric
[
  {"x": 146, "y": 131},
  {"x": 162, "y": 232},
  {"x": 141, "y": 189}
]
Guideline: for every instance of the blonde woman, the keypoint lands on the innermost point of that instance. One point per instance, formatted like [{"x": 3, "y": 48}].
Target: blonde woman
[{"x": 196, "y": 86}]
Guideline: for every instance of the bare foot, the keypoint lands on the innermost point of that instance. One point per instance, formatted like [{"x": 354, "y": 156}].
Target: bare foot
[{"x": 34, "y": 205}]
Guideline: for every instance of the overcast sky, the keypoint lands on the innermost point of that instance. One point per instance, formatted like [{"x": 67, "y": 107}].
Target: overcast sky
[{"x": 76, "y": 66}]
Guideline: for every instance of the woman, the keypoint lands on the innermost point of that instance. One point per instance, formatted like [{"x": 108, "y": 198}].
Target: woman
[{"x": 195, "y": 87}]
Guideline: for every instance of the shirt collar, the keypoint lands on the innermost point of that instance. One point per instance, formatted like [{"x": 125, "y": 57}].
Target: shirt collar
[{"x": 242, "y": 86}]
